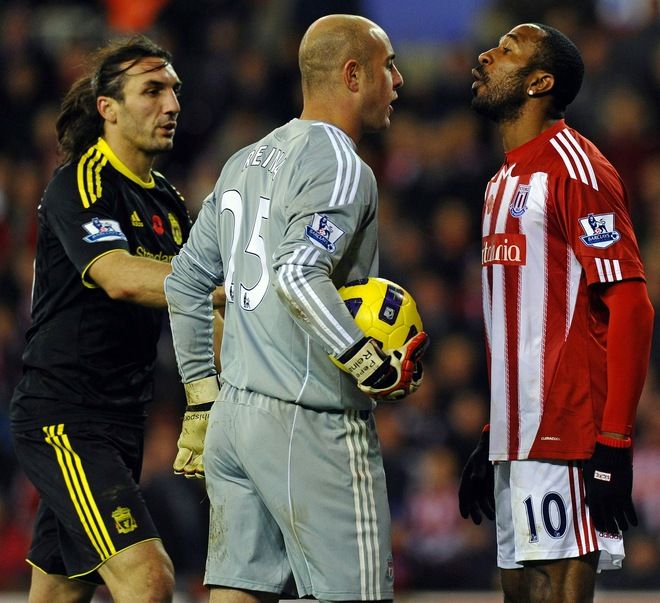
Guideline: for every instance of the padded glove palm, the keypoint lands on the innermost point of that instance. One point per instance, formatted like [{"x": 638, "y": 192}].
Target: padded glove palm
[{"x": 200, "y": 395}]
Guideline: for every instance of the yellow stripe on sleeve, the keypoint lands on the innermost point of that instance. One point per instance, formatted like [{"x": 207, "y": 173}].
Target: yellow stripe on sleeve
[
  {"x": 80, "y": 174},
  {"x": 89, "y": 175}
]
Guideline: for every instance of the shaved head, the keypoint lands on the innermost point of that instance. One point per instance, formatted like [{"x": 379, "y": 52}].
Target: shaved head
[{"x": 330, "y": 42}]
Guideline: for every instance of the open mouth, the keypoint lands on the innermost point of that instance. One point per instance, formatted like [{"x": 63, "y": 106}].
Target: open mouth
[
  {"x": 168, "y": 128},
  {"x": 479, "y": 79}
]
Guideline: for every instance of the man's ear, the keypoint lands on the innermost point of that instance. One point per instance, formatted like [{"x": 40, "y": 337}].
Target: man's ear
[
  {"x": 351, "y": 74},
  {"x": 540, "y": 83},
  {"x": 106, "y": 107}
]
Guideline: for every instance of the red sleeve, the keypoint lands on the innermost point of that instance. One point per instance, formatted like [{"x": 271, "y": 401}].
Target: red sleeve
[
  {"x": 628, "y": 349},
  {"x": 598, "y": 226}
]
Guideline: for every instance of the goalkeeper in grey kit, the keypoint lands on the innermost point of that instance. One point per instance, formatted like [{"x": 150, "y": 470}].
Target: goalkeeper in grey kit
[{"x": 291, "y": 456}]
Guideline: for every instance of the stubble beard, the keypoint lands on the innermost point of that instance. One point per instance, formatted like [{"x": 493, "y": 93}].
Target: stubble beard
[{"x": 504, "y": 101}]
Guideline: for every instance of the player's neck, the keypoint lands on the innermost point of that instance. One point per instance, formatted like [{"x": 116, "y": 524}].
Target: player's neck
[
  {"x": 527, "y": 126},
  {"x": 134, "y": 159},
  {"x": 333, "y": 115}
]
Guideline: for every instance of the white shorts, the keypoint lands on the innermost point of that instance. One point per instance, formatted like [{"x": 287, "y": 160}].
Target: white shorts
[{"x": 542, "y": 515}]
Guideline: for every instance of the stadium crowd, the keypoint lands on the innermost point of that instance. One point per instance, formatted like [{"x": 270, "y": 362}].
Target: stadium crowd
[{"x": 238, "y": 64}]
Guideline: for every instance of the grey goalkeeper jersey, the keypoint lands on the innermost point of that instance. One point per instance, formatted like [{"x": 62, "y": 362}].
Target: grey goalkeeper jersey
[{"x": 291, "y": 219}]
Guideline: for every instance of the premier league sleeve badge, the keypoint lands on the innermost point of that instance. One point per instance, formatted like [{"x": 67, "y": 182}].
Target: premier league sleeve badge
[
  {"x": 323, "y": 233},
  {"x": 599, "y": 230}
]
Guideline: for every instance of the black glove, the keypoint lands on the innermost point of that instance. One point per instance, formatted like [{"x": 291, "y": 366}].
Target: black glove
[
  {"x": 608, "y": 476},
  {"x": 476, "y": 493}
]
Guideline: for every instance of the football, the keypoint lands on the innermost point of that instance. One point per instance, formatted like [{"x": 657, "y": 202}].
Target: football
[{"x": 383, "y": 310}]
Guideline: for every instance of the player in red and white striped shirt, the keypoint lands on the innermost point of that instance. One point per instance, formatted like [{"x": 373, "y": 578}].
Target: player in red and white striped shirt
[{"x": 568, "y": 329}]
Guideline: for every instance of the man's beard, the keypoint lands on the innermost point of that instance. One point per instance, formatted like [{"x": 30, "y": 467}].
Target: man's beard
[{"x": 504, "y": 101}]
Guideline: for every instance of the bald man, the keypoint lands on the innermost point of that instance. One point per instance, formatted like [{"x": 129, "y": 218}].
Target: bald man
[{"x": 292, "y": 461}]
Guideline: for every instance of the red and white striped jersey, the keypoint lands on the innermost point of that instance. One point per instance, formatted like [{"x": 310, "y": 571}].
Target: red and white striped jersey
[{"x": 555, "y": 220}]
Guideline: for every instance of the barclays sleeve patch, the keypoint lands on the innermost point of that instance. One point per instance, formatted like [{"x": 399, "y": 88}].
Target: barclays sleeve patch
[
  {"x": 323, "y": 233},
  {"x": 599, "y": 229},
  {"x": 103, "y": 230}
]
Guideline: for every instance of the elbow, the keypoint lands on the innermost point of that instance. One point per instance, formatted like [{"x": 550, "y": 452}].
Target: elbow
[
  {"x": 649, "y": 312},
  {"x": 121, "y": 292},
  {"x": 642, "y": 316},
  {"x": 643, "y": 311}
]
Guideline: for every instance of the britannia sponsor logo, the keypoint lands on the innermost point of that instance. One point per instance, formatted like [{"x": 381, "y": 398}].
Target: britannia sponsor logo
[{"x": 507, "y": 249}]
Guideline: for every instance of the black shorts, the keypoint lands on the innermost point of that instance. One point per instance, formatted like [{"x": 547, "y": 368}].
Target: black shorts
[{"x": 91, "y": 506}]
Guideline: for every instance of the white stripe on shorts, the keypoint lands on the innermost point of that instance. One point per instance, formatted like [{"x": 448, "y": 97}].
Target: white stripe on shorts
[
  {"x": 585, "y": 535},
  {"x": 366, "y": 524}
]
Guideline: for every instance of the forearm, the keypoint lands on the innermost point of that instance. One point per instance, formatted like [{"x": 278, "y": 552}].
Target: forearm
[
  {"x": 313, "y": 302},
  {"x": 218, "y": 330},
  {"x": 188, "y": 290},
  {"x": 628, "y": 350},
  {"x": 130, "y": 278}
]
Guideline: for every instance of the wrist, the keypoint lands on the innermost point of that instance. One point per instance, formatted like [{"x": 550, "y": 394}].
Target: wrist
[
  {"x": 613, "y": 440},
  {"x": 362, "y": 360},
  {"x": 218, "y": 297},
  {"x": 202, "y": 391}
]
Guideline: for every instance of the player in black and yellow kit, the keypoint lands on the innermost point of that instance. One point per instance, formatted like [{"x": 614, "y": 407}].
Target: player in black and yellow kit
[{"x": 108, "y": 228}]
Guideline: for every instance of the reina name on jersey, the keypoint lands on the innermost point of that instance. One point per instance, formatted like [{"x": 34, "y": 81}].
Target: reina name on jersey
[{"x": 267, "y": 157}]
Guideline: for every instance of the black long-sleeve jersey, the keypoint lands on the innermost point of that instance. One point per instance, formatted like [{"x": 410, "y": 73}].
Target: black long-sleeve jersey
[{"x": 86, "y": 352}]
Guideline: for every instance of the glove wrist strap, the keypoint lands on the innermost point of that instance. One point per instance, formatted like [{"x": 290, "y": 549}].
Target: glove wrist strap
[
  {"x": 202, "y": 391},
  {"x": 613, "y": 442},
  {"x": 364, "y": 361}
]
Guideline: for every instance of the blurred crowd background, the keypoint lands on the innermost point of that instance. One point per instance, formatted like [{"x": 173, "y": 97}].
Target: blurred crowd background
[{"x": 238, "y": 63}]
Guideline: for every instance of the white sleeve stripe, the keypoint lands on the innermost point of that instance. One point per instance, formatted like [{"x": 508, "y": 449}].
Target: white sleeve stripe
[
  {"x": 356, "y": 180},
  {"x": 300, "y": 255},
  {"x": 308, "y": 256},
  {"x": 585, "y": 158},
  {"x": 349, "y": 168},
  {"x": 330, "y": 319},
  {"x": 196, "y": 262},
  {"x": 354, "y": 161},
  {"x": 352, "y": 164},
  {"x": 599, "y": 267},
  {"x": 286, "y": 274},
  {"x": 340, "y": 167},
  {"x": 567, "y": 163},
  {"x": 608, "y": 270},
  {"x": 576, "y": 159},
  {"x": 617, "y": 270}
]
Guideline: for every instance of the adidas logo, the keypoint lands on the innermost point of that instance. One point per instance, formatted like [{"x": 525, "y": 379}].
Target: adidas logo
[{"x": 135, "y": 220}]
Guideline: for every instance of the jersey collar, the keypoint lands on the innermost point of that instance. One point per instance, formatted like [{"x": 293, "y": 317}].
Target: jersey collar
[
  {"x": 527, "y": 149},
  {"x": 121, "y": 167}
]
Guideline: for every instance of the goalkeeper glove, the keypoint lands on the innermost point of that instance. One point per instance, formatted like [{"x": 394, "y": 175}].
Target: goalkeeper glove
[
  {"x": 200, "y": 395},
  {"x": 417, "y": 378},
  {"x": 608, "y": 477},
  {"x": 386, "y": 375},
  {"x": 476, "y": 493}
]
